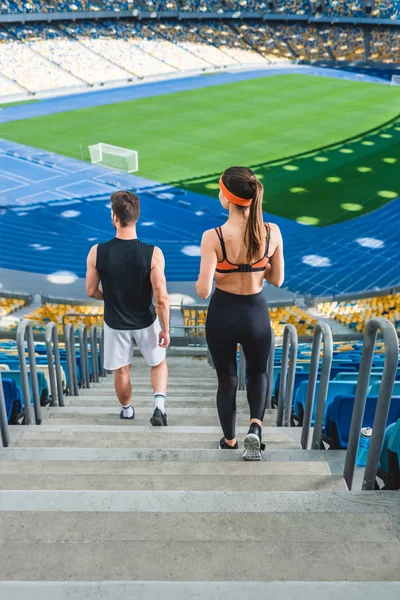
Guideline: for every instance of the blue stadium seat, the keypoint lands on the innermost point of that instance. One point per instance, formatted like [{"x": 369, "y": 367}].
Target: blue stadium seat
[
  {"x": 376, "y": 385},
  {"x": 12, "y": 399},
  {"x": 389, "y": 465},
  {"x": 42, "y": 384},
  {"x": 336, "y": 388},
  {"x": 338, "y": 418}
]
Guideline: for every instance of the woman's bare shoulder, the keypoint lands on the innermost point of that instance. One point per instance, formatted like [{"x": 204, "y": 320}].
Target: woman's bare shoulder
[{"x": 274, "y": 228}]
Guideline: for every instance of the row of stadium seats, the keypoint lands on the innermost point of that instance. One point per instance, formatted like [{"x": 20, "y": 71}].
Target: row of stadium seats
[
  {"x": 383, "y": 9},
  {"x": 356, "y": 313},
  {"x": 54, "y": 312},
  {"x": 72, "y": 54},
  {"x": 280, "y": 316},
  {"x": 10, "y": 305}
]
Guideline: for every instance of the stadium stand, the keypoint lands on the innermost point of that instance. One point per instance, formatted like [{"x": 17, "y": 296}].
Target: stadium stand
[
  {"x": 8, "y": 305},
  {"x": 75, "y": 61},
  {"x": 385, "y": 46},
  {"x": 82, "y": 53},
  {"x": 21, "y": 62},
  {"x": 54, "y": 312},
  {"x": 344, "y": 42},
  {"x": 355, "y": 314}
]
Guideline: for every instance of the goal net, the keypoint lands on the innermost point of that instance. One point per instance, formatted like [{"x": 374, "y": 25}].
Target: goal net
[
  {"x": 115, "y": 157},
  {"x": 395, "y": 79}
]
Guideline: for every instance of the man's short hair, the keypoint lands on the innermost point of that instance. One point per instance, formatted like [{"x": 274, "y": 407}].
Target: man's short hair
[{"x": 126, "y": 207}]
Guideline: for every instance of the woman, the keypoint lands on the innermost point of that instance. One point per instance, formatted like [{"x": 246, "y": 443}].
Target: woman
[{"x": 241, "y": 254}]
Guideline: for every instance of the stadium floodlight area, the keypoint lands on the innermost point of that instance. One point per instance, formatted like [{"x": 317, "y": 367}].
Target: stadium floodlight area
[
  {"x": 395, "y": 79},
  {"x": 115, "y": 157}
]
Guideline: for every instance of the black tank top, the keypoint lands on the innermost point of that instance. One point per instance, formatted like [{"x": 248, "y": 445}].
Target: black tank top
[{"x": 124, "y": 267}]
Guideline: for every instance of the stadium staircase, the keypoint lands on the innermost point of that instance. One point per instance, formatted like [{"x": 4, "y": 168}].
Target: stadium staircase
[{"x": 95, "y": 507}]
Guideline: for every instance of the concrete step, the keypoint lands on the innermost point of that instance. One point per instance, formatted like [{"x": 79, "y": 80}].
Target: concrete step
[
  {"x": 142, "y": 437},
  {"x": 334, "y": 458},
  {"x": 146, "y": 390},
  {"x": 146, "y": 401},
  {"x": 183, "y": 536},
  {"x": 162, "y": 482},
  {"x": 96, "y": 467},
  {"x": 124, "y": 590}
]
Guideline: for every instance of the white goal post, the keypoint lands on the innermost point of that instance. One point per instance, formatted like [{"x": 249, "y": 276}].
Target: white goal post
[
  {"x": 395, "y": 80},
  {"x": 115, "y": 157}
]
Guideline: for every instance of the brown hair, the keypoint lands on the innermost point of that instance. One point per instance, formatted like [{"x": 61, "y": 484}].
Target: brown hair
[
  {"x": 242, "y": 182},
  {"x": 126, "y": 207}
]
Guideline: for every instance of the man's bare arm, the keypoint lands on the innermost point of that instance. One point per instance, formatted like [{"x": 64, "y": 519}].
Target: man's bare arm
[
  {"x": 161, "y": 298},
  {"x": 93, "y": 288}
]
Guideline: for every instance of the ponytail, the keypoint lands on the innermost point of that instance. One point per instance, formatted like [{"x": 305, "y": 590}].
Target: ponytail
[
  {"x": 241, "y": 187},
  {"x": 255, "y": 230}
]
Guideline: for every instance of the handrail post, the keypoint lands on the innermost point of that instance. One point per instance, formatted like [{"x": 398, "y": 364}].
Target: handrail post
[
  {"x": 383, "y": 405},
  {"x": 242, "y": 369},
  {"x": 322, "y": 331},
  {"x": 25, "y": 330},
  {"x": 54, "y": 365},
  {"x": 103, "y": 372},
  {"x": 94, "y": 353},
  {"x": 5, "y": 434},
  {"x": 286, "y": 384},
  {"x": 71, "y": 360},
  {"x": 83, "y": 348},
  {"x": 270, "y": 369}
]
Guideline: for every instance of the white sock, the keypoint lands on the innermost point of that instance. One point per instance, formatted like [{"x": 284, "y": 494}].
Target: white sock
[
  {"x": 159, "y": 401},
  {"x": 128, "y": 411}
]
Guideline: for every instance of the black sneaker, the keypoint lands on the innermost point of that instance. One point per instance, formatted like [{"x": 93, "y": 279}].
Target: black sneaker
[
  {"x": 224, "y": 446},
  {"x": 121, "y": 415},
  {"x": 159, "y": 418},
  {"x": 253, "y": 444}
]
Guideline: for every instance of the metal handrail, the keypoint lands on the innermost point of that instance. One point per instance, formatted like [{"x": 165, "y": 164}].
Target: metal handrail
[
  {"x": 383, "y": 405},
  {"x": 83, "y": 350},
  {"x": 103, "y": 372},
  {"x": 69, "y": 335},
  {"x": 242, "y": 370},
  {"x": 25, "y": 330},
  {"x": 286, "y": 384},
  {"x": 322, "y": 331},
  {"x": 5, "y": 434},
  {"x": 94, "y": 353},
  {"x": 54, "y": 365},
  {"x": 270, "y": 369}
]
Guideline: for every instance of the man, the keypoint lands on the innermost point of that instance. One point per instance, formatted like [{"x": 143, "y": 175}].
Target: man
[{"x": 130, "y": 273}]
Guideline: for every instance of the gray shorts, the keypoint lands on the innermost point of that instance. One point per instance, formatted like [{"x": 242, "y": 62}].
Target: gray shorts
[{"x": 119, "y": 344}]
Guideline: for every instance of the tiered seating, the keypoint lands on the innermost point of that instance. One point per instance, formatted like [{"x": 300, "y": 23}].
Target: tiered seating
[
  {"x": 356, "y": 313},
  {"x": 92, "y": 315},
  {"x": 59, "y": 45},
  {"x": 281, "y": 316},
  {"x": 197, "y": 55},
  {"x": 110, "y": 40},
  {"x": 35, "y": 6},
  {"x": 305, "y": 41},
  {"x": 267, "y": 40},
  {"x": 385, "y": 45},
  {"x": 9, "y": 305},
  {"x": 227, "y": 41},
  {"x": 346, "y": 43},
  {"x": 386, "y": 9},
  {"x": 19, "y": 63}
]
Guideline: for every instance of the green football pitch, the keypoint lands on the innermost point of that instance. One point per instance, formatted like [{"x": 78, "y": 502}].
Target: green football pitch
[{"x": 326, "y": 149}]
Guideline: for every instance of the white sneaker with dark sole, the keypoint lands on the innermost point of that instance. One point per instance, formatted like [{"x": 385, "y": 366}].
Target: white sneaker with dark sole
[{"x": 252, "y": 447}]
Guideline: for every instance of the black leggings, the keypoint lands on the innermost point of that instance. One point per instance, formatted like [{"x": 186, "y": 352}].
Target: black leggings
[{"x": 233, "y": 319}]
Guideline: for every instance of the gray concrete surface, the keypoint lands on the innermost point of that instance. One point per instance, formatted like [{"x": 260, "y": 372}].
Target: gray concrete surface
[
  {"x": 88, "y": 497},
  {"x": 124, "y": 590}
]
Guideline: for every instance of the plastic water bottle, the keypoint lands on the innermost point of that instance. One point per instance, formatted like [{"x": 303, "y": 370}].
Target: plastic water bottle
[{"x": 363, "y": 446}]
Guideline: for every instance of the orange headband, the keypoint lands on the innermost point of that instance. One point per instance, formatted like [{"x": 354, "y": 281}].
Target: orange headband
[{"x": 231, "y": 197}]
